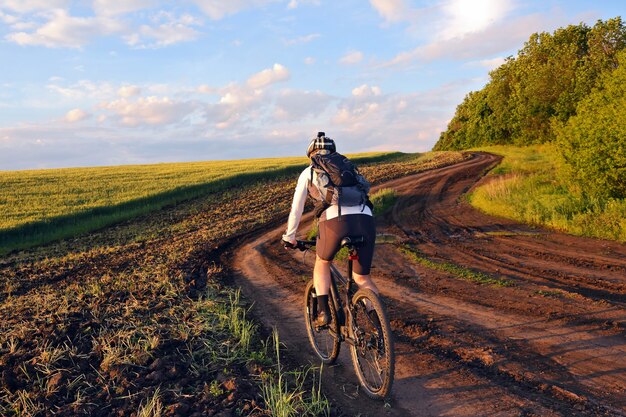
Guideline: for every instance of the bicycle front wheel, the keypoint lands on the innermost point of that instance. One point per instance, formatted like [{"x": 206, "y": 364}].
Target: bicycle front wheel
[
  {"x": 373, "y": 350},
  {"x": 324, "y": 340}
]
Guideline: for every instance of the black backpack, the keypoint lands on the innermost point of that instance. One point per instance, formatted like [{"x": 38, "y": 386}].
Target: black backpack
[{"x": 339, "y": 182}]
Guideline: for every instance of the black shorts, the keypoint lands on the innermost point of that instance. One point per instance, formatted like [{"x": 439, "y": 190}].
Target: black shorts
[{"x": 332, "y": 231}]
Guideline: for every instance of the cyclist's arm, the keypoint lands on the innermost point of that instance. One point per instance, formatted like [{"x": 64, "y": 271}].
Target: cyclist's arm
[{"x": 297, "y": 206}]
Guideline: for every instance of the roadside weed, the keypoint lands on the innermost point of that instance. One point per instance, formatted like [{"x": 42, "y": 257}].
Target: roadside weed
[
  {"x": 456, "y": 270},
  {"x": 528, "y": 186},
  {"x": 152, "y": 407},
  {"x": 383, "y": 200},
  {"x": 285, "y": 394}
]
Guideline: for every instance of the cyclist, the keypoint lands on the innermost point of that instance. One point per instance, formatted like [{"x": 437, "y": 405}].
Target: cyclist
[{"x": 335, "y": 223}]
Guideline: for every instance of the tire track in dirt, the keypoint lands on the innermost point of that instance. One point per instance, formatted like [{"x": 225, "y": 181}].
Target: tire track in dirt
[
  {"x": 468, "y": 349},
  {"x": 425, "y": 385}
]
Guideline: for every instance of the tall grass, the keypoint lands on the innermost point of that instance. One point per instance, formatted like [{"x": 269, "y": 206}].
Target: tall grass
[
  {"x": 288, "y": 397},
  {"x": 44, "y": 205},
  {"x": 152, "y": 407},
  {"x": 528, "y": 187}
]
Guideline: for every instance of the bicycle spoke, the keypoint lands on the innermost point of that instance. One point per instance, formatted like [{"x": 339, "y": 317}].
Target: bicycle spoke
[
  {"x": 372, "y": 353},
  {"x": 373, "y": 360}
]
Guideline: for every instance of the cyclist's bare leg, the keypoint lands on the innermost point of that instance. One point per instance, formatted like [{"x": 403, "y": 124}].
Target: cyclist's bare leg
[
  {"x": 321, "y": 276},
  {"x": 364, "y": 281}
]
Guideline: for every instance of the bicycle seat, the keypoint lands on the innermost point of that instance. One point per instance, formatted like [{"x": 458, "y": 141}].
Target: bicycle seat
[{"x": 354, "y": 241}]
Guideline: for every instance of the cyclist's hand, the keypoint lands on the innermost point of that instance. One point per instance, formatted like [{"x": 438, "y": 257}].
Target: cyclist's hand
[{"x": 290, "y": 245}]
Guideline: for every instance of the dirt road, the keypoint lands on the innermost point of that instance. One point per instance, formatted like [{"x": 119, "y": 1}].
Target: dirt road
[{"x": 546, "y": 338}]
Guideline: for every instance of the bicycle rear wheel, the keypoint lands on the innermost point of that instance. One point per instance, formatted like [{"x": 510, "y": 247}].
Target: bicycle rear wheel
[
  {"x": 325, "y": 340},
  {"x": 373, "y": 350}
]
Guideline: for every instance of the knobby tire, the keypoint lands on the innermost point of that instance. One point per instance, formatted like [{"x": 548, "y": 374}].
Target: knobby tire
[
  {"x": 373, "y": 352},
  {"x": 325, "y": 342}
]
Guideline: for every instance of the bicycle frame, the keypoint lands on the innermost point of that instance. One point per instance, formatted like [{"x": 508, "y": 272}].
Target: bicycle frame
[
  {"x": 339, "y": 306},
  {"x": 352, "y": 322}
]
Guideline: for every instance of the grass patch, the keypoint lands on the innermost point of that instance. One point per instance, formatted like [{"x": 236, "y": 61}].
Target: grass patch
[
  {"x": 384, "y": 238},
  {"x": 511, "y": 233},
  {"x": 549, "y": 293},
  {"x": 528, "y": 187},
  {"x": 152, "y": 406},
  {"x": 456, "y": 270},
  {"x": 290, "y": 399},
  {"x": 383, "y": 200}
]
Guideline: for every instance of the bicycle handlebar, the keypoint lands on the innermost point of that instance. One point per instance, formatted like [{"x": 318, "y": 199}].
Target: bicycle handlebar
[{"x": 302, "y": 245}]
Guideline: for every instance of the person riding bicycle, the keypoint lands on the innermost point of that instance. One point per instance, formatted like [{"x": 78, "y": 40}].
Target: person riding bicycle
[{"x": 335, "y": 222}]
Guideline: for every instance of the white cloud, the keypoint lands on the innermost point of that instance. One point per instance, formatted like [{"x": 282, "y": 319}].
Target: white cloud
[
  {"x": 302, "y": 39},
  {"x": 489, "y": 64},
  {"x": 85, "y": 89},
  {"x": 218, "y": 9},
  {"x": 128, "y": 91},
  {"x": 462, "y": 17},
  {"x": 56, "y": 28},
  {"x": 167, "y": 30},
  {"x": 63, "y": 30},
  {"x": 236, "y": 103},
  {"x": 269, "y": 76},
  {"x": 365, "y": 120},
  {"x": 366, "y": 91},
  {"x": 292, "y": 105},
  {"x": 8, "y": 19},
  {"x": 76, "y": 115},
  {"x": 493, "y": 39},
  {"x": 392, "y": 10},
  {"x": 206, "y": 89},
  {"x": 238, "y": 96},
  {"x": 24, "y": 6},
  {"x": 351, "y": 58},
  {"x": 22, "y": 26},
  {"x": 371, "y": 120},
  {"x": 293, "y": 4},
  {"x": 309, "y": 60},
  {"x": 149, "y": 111},
  {"x": 444, "y": 20},
  {"x": 112, "y": 8}
]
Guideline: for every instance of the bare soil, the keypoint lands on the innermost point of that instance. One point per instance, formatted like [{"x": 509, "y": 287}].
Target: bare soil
[
  {"x": 105, "y": 322},
  {"x": 552, "y": 343}
]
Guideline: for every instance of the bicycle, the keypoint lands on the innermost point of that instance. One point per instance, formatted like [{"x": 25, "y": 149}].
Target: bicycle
[{"x": 359, "y": 320}]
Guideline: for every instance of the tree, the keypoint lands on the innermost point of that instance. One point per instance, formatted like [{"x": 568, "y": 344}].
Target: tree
[
  {"x": 537, "y": 92},
  {"x": 593, "y": 143}
]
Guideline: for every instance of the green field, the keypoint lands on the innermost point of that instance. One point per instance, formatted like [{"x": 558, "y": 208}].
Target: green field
[
  {"x": 42, "y": 205},
  {"x": 528, "y": 187}
]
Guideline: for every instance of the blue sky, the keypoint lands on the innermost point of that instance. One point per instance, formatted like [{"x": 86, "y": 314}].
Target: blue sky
[{"x": 101, "y": 82}]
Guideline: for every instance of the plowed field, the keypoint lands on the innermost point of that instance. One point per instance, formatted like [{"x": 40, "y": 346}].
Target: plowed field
[{"x": 542, "y": 334}]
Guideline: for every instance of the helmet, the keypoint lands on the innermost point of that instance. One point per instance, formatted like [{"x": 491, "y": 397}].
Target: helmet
[{"x": 321, "y": 142}]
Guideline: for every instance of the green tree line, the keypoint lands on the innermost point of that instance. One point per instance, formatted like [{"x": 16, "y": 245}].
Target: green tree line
[{"x": 567, "y": 87}]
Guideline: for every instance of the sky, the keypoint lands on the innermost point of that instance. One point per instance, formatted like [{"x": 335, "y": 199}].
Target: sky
[{"x": 104, "y": 82}]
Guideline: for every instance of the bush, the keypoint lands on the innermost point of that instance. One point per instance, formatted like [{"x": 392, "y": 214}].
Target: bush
[{"x": 593, "y": 143}]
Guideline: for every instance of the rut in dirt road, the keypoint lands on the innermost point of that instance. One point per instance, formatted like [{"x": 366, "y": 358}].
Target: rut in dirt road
[{"x": 551, "y": 342}]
